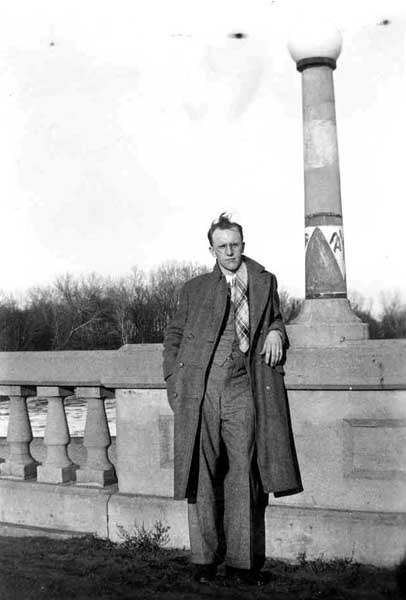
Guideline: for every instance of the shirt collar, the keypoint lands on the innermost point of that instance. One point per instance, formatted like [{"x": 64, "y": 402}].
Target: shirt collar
[{"x": 241, "y": 272}]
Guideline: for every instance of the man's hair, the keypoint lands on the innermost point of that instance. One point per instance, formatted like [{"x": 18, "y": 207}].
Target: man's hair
[{"x": 223, "y": 222}]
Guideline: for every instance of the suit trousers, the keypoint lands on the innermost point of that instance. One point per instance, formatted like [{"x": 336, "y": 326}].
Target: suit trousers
[{"x": 226, "y": 519}]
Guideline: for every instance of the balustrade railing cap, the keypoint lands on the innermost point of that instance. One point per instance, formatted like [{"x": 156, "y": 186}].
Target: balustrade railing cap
[{"x": 17, "y": 389}]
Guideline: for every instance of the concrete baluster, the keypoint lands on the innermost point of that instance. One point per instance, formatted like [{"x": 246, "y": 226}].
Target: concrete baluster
[
  {"x": 57, "y": 467},
  {"x": 19, "y": 464},
  {"x": 98, "y": 469}
]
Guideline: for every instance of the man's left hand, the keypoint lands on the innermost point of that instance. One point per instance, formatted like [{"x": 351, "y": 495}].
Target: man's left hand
[{"x": 273, "y": 348}]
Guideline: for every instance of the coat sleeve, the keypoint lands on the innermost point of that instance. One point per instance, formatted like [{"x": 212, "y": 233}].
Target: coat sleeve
[
  {"x": 277, "y": 319},
  {"x": 174, "y": 334}
]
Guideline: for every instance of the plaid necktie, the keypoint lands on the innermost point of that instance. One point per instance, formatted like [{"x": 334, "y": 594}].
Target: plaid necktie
[{"x": 241, "y": 313}]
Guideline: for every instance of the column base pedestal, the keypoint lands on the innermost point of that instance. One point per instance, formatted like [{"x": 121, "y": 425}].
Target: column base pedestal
[
  {"x": 18, "y": 471},
  {"x": 96, "y": 477},
  {"x": 49, "y": 474},
  {"x": 326, "y": 322}
]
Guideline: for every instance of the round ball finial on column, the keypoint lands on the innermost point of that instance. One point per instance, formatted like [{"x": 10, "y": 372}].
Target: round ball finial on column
[
  {"x": 318, "y": 41},
  {"x": 326, "y": 317}
]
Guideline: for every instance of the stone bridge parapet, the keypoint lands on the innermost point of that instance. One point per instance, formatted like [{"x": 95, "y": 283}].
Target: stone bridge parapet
[{"x": 348, "y": 407}]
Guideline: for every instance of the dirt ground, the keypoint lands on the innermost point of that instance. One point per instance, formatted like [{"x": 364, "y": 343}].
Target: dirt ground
[{"x": 36, "y": 568}]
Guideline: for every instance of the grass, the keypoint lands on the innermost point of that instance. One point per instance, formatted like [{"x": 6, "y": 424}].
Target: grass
[{"x": 39, "y": 568}]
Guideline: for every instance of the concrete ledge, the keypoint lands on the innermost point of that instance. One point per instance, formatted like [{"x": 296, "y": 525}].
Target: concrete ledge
[
  {"x": 138, "y": 363},
  {"x": 377, "y": 363},
  {"x": 364, "y": 536},
  {"x": 291, "y": 531},
  {"x": 12, "y": 530},
  {"x": 368, "y": 364},
  {"x": 64, "y": 507}
]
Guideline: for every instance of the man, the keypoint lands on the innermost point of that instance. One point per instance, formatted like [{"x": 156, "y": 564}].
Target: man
[{"x": 233, "y": 443}]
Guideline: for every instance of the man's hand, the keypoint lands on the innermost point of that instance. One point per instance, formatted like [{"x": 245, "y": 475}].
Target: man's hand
[{"x": 273, "y": 348}]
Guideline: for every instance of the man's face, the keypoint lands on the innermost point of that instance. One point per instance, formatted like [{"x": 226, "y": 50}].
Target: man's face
[{"x": 227, "y": 248}]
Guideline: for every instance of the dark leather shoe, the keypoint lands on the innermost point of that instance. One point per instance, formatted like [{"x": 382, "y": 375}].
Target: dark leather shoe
[
  {"x": 245, "y": 576},
  {"x": 205, "y": 573}
]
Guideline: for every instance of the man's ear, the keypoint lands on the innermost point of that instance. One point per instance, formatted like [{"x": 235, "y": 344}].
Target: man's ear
[
  {"x": 243, "y": 246},
  {"x": 211, "y": 250}
]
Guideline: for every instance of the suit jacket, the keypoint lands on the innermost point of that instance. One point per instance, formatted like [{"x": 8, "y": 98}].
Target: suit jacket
[{"x": 189, "y": 343}]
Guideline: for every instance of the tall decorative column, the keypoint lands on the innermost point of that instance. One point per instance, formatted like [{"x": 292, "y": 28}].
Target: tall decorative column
[{"x": 326, "y": 317}]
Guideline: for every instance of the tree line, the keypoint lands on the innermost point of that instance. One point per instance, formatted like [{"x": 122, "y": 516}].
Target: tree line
[{"x": 94, "y": 312}]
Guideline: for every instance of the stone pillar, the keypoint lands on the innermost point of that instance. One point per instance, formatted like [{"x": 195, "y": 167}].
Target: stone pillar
[
  {"x": 57, "y": 467},
  {"x": 326, "y": 317},
  {"x": 19, "y": 464},
  {"x": 98, "y": 470}
]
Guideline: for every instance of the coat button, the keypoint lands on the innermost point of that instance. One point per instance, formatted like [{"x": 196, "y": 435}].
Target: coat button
[
  {"x": 181, "y": 364},
  {"x": 267, "y": 387},
  {"x": 175, "y": 394}
]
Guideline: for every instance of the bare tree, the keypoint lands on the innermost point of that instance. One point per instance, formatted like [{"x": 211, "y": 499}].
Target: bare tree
[
  {"x": 127, "y": 297},
  {"x": 166, "y": 282},
  {"x": 393, "y": 320},
  {"x": 363, "y": 309},
  {"x": 289, "y": 305},
  {"x": 77, "y": 308},
  {"x": 92, "y": 312}
]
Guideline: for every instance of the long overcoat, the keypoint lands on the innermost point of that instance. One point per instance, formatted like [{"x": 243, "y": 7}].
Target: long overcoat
[{"x": 189, "y": 344}]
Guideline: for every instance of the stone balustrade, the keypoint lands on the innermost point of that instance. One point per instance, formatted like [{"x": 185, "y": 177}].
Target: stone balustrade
[
  {"x": 348, "y": 409},
  {"x": 57, "y": 466}
]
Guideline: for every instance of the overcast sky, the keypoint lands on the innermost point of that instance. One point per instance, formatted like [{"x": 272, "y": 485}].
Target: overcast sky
[{"x": 128, "y": 126}]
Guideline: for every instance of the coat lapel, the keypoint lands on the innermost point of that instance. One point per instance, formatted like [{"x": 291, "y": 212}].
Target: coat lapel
[
  {"x": 259, "y": 284},
  {"x": 214, "y": 304}
]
